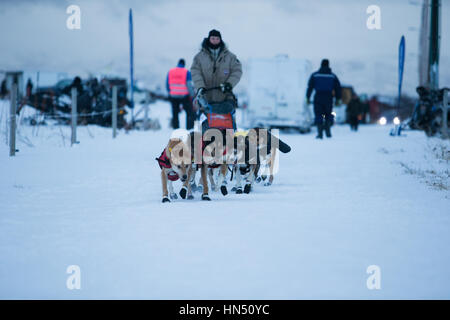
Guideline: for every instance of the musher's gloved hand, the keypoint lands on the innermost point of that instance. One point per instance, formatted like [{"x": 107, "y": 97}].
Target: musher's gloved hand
[
  {"x": 226, "y": 87},
  {"x": 200, "y": 92}
]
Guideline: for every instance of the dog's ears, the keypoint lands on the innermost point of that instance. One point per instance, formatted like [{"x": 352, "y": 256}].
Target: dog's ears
[
  {"x": 179, "y": 147},
  {"x": 172, "y": 143}
]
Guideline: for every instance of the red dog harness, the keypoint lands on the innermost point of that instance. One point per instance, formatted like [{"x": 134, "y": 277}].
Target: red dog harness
[{"x": 164, "y": 162}]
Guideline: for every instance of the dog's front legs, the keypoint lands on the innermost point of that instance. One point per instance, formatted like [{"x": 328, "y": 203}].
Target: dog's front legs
[
  {"x": 257, "y": 175},
  {"x": 191, "y": 183},
  {"x": 212, "y": 181},
  {"x": 172, "y": 194},
  {"x": 271, "y": 166},
  {"x": 221, "y": 180},
  {"x": 238, "y": 178},
  {"x": 164, "y": 186},
  {"x": 204, "y": 177},
  {"x": 186, "y": 189},
  {"x": 250, "y": 178}
]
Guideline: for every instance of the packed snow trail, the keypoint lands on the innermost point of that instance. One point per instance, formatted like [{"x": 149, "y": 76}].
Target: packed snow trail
[{"x": 336, "y": 207}]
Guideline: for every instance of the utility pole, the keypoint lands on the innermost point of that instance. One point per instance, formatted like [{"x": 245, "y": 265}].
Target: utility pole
[{"x": 433, "y": 77}]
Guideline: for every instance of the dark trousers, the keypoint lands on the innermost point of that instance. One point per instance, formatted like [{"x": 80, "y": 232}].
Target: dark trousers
[
  {"x": 186, "y": 102},
  {"x": 323, "y": 110},
  {"x": 353, "y": 121}
]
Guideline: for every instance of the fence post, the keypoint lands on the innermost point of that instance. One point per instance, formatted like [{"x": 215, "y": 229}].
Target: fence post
[
  {"x": 74, "y": 116},
  {"x": 114, "y": 110},
  {"x": 12, "y": 121},
  {"x": 445, "y": 115},
  {"x": 147, "y": 103}
]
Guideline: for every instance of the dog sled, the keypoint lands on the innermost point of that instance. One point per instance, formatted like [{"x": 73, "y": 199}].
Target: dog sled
[{"x": 217, "y": 115}]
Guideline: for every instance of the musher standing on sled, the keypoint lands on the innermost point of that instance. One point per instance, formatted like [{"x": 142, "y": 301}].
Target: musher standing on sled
[
  {"x": 215, "y": 72},
  {"x": 324, "y": 82},
  {"x": 215, "y": 66}
]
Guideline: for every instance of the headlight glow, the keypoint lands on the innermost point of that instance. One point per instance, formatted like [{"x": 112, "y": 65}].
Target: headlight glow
[{"x": 382, "y": 121}]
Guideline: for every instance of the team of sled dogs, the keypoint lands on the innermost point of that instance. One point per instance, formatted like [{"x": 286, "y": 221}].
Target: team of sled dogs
[{"x": 249, "y": 156}]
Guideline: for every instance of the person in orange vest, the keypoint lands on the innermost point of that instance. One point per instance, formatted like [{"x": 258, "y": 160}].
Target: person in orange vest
[{"x": 179, "y": 86}]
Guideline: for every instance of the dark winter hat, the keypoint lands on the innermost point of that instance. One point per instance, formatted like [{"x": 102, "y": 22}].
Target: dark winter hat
[
  {"x": 325, "y": 63},
  {"x": 214, "y": 33},
  {"x": 181, "y": 62}
]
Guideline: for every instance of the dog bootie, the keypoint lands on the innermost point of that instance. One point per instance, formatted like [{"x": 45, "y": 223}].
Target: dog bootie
[
  {"x": 190, "y": 197},
  {"x": 183, "y": 192},
  {"x": 206, "y": 197},
  {"x": 165, "y": 199},
  {"x": 224, "y": 190},
  {"x": 239, "y": 190},
  {"x": 247, "y": 188}
]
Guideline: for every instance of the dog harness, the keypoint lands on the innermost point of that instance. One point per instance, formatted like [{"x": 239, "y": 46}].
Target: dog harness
[
  {"x": 164, "y": 162},
  {"x": 213, "y": 165}
]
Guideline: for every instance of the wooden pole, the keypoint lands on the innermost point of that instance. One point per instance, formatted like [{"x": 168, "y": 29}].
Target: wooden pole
[
  {"x": 12, "y": 121},
  {"x": 147, "y": 104},
  {"x": 114, "y": 110},
  {"x": 74, "y": 116}
]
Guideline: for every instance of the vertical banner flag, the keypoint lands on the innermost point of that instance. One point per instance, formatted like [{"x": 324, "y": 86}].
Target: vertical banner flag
[
  {"x": 401, "y": 64},
  {"x": 131, "y": 59}
]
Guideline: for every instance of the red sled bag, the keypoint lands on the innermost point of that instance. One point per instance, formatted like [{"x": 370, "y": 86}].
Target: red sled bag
[
  {"x": 220, "y": 115},
  {"x": 220, "y": 121}
]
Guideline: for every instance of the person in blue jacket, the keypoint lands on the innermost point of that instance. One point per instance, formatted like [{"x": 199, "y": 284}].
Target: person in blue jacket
[{"x": 325, "y": 84}]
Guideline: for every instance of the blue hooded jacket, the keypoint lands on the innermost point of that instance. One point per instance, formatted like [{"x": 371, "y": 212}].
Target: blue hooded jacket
[{"x": 324, "y": 82}]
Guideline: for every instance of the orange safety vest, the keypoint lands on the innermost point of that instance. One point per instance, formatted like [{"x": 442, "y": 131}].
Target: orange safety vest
[{"x": 177, "y": 82}]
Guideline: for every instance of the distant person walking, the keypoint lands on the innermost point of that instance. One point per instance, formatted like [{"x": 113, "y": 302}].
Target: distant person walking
[
  {"x": 179, "y": 86},
  {"x": 324, "y": 83},
  {"x": 354, "y": 112},
  {"x": 3, "y": 89},
  {"x": 76, "y": 83},
  {"x": 29, "y": 88}
]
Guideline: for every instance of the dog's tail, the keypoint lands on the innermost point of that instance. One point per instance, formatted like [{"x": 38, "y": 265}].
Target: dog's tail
[{"x": 282, "y": 146}]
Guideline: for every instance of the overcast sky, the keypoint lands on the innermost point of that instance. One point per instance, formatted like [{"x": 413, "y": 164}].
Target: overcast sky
[{"x": 34, "y": 36}]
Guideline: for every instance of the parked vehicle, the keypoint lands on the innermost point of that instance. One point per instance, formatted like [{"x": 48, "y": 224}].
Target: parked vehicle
[{"x": 276, "y": 95}]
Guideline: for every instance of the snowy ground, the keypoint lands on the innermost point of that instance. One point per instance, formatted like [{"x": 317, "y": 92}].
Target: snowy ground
[{"x": 336, "y": 207}]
